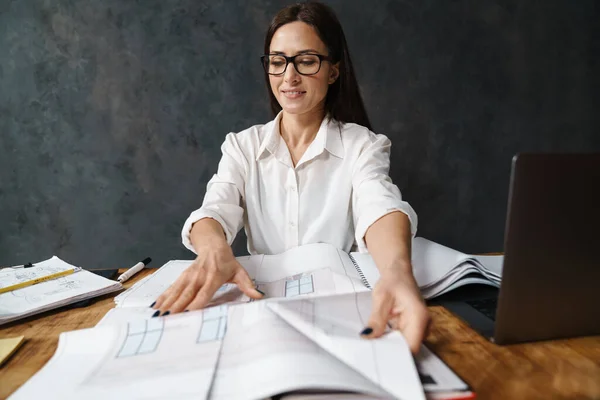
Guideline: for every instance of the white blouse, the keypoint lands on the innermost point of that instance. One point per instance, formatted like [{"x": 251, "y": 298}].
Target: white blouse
[{"x": 337, "y": 190}]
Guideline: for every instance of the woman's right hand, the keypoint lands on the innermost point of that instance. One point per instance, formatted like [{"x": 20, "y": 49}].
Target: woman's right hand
[{"x": 214, "y": 266}]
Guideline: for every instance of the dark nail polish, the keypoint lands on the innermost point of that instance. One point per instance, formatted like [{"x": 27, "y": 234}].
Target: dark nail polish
[
  {"x": 152, "y": 305},
  {"x": 260, "y": 291},
  {"x": 167, "y": 313},
  {"x": 156, "y": 313},
  {"x": 186, "y": 310},
  {"x": 367, "y": 331}
]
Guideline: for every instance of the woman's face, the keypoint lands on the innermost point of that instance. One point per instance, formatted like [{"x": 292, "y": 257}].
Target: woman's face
[{"x": 300, "y": 94}]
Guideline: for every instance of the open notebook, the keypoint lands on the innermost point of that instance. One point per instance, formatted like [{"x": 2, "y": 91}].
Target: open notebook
[
  {"x": 438, "y": 269},
  {"x": 50, "y": 294},
  {"x": 304, "y": 272},
  {"x": 320, "y": 269},
  {"x": 240, "y": 351}
]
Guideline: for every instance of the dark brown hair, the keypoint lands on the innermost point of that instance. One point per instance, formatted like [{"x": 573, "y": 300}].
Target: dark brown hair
[{"x": 343, "y": 102}]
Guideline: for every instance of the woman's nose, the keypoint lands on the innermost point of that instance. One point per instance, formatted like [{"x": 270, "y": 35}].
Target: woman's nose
[{"x": 291, "y": 75}]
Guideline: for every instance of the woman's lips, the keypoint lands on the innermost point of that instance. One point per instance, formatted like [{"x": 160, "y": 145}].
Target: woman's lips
[{"x": 293, "y": 94}]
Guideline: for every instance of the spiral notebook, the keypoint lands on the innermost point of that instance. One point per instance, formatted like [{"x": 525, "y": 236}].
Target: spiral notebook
[{"x": 438, "y": 269}]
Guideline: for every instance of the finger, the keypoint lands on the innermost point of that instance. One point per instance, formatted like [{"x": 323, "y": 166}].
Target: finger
[
  {"x": 206, "y": 293},
  {"x": 171, "y": 291},
  {"x": 243, "y": 281},
  {"x": 380, "y": 312},
  {"x": 187, "y": 295},
  {"x": 414, "y": 328},
  {"x": 189, "y": 283}
]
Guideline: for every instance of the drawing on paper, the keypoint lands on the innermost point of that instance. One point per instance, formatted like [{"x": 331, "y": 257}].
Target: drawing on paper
[
  {"x": 299, "y": 285},
  {"x": 142, "y": 337},
  {"x": 214, "y": 324},
  {"x": 159, "y": 347},
  {"x": 11, "y": 276},
  {"x": 32, "y": 294}
]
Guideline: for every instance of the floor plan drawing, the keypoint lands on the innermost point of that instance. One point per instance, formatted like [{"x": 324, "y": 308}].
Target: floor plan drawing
[
  {"x": 214, "y": 324},
  {"x": 142, "y": 337},
  {"x": 299, "y": 285},
  {"x": 146, "y": 348}
]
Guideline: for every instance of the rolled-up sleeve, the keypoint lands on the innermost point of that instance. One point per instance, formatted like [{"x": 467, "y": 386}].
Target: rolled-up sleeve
[
  {"x": 225, "y": 190},
  {"x": 374, "y": 194}
]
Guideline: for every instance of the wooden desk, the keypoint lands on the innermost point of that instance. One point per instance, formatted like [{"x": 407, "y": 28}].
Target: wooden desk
[{"x": 544, "y": 370}]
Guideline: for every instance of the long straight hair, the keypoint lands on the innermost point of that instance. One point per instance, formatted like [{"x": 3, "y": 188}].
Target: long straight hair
[{"x": 343, "y": 101}]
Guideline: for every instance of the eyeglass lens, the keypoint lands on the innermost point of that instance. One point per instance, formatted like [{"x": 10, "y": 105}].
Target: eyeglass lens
[{"x": 306, "y": 64}]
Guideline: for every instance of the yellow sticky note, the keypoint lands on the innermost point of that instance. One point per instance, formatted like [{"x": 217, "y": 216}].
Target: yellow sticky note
[{"x": 9, "y": 346}]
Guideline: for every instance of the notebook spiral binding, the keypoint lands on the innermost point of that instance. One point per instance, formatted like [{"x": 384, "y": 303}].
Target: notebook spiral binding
[{"x": 362, "y": 276}]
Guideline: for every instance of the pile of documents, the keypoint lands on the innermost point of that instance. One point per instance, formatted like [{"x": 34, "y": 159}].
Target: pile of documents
[
  {"x": 439, "y": 269},
  {"x": 73, "y": 284},
  {"x": 304, "y": 336}
]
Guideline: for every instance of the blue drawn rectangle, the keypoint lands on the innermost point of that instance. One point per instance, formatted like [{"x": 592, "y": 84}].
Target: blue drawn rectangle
[
  {"x": 306, "y": 280},
  {"x": 306, "y": 288},
  {"x": 214, "y": 312},
  {"x": 293, "y": 291},
  {"x": 150, "y": 342},
  {"x": 155, "y": 324},
  {"x": 137, "y": 327},
  {"x": 209, "y": 330},
  {"x": 291, "y": 284},
  {"x": 131, "y": 345}
]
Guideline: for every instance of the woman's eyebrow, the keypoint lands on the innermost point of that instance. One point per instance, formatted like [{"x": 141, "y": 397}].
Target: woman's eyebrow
[{"x": 300, "y": 52}]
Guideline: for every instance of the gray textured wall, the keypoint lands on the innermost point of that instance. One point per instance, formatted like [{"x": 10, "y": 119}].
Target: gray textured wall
[{"x": 112, "y": 112}]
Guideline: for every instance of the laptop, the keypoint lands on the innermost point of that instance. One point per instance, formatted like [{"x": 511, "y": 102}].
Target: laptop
[{"x": 550, "y": 285}]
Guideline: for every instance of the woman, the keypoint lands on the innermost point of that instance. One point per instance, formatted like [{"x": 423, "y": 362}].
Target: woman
[{"x": 316, "y": 173}]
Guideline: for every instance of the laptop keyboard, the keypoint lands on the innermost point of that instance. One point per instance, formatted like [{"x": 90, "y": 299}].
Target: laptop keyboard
[{"x": 485, "y": 306}]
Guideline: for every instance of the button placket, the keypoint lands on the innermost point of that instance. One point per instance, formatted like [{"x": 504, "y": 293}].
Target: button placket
[{"x": 293, "y": 208}]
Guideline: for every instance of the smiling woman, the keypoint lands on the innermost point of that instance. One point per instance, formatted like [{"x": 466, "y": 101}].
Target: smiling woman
[
  {"x": 316, "y": 173},
  {"x": 302, "y": 88},
  {"x": 314, "y": 29}
]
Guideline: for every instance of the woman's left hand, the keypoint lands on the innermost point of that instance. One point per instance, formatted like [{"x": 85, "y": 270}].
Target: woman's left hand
[{"x": 397, "y": 300}]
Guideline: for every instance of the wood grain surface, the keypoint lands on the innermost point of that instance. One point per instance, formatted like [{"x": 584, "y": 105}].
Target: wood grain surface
[{"x": 560, "y": 369}]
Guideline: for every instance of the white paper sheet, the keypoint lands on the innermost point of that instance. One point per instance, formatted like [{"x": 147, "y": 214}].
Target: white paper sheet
[
  {"x": 54, "y": 293},
  {"x": 12, "y": 276},
  {"x": 335, "y": 322},
  {"x": 171, "y": 357},
  {"x": 437, "y": 268},
  {"x": 263, "y": 355},
  {"x": 328, "y": 269}
]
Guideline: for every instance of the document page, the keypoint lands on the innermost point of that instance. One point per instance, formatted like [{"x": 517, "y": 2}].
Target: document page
[
  {"x": 159, "y": 358},
  {"x": 334, "y": 323},
  {"x": 53, "y": 293},
  {"x": 146, "y": 291},
  {"x": 263, "y": 355},
  {"x": 315, "y": 269},
  {"x": 13, "y": 276}
]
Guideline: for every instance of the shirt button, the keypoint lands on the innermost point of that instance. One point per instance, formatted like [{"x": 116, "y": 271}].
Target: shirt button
[
  {"x": 292, "y": 224},
  {"x": 293, "y": 188}
]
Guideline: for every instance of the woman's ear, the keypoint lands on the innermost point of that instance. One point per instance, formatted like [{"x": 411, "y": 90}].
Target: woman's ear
[{"x": 334, "y": 72}]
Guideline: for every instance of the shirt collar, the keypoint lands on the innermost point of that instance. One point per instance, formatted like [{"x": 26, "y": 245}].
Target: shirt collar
[{"x": 328, "y": 137}]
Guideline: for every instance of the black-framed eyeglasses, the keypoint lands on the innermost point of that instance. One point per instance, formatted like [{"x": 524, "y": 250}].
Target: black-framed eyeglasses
[{"x": 305, "y": 64}]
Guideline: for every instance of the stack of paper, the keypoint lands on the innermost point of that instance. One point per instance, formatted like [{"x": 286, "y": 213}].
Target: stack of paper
[
  {"x": 439, "y": 269},
  {"x": 50, "y": 294},
  {"x": 245, "y": 351},
  {"x": 312, "y": 270},
  {"x": 320, "y": 269},
  {"x": 303, "y": 336}
]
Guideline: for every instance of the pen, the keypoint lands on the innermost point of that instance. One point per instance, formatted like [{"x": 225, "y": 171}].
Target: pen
[
  {"x": 134, "y": 270},
  {"x": 36, "y": 280},
  {"x": 28, "y": 265}
]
